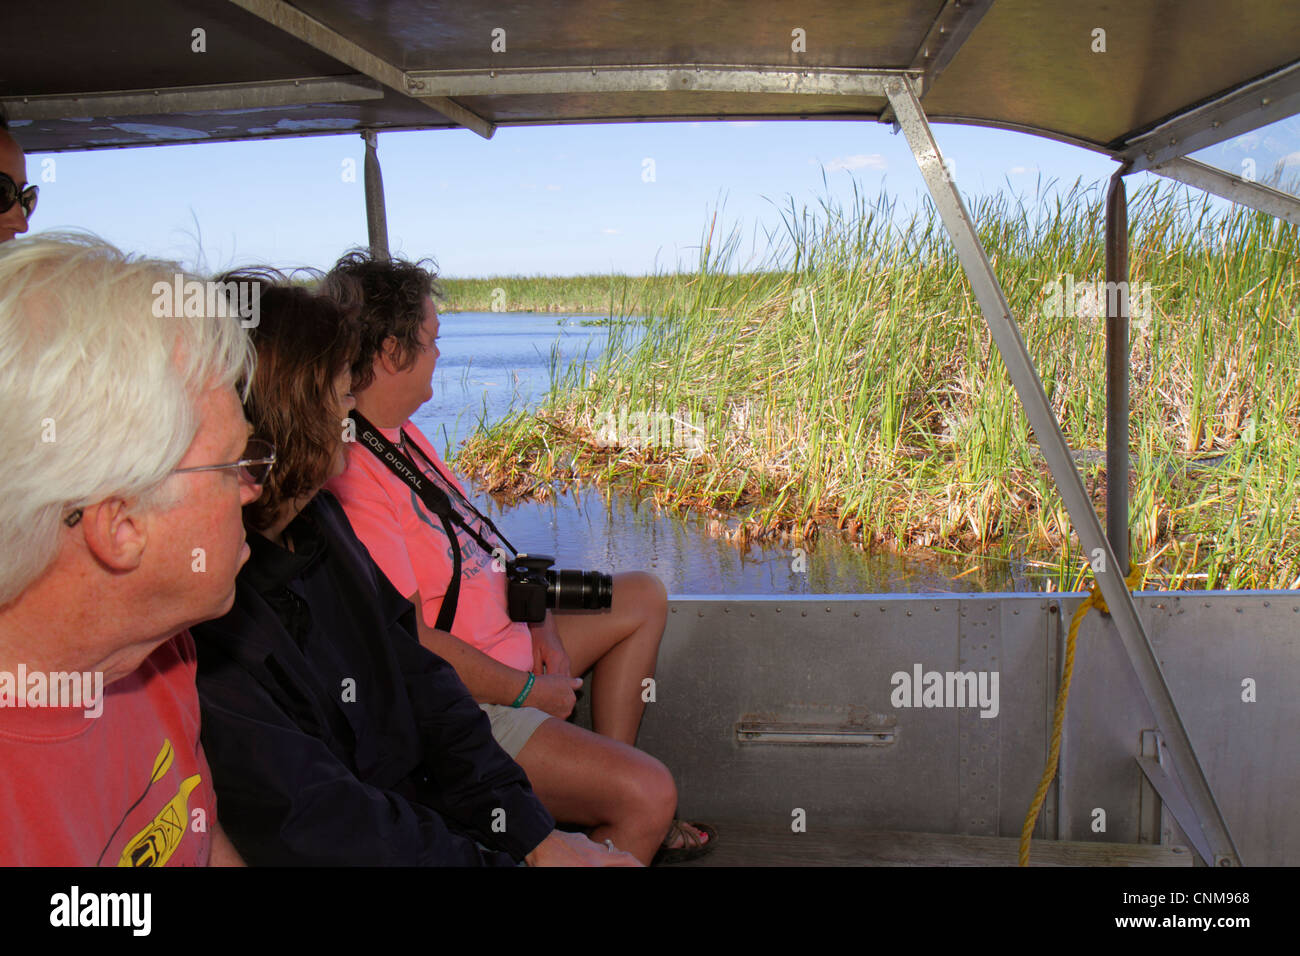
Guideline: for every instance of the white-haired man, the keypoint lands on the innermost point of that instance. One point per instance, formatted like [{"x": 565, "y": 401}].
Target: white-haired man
[{"x": 126, "y": 464}]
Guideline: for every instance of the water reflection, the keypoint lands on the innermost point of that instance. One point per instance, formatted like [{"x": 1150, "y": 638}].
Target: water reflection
[
  {"x": 592, "y": 529},
  {"x": 492, "y": 364}
]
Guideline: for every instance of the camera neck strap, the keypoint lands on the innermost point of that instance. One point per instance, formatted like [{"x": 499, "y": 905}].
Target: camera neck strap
[
  {"x": 434, "y": 498},
  {"x": 435, "y": 474}
]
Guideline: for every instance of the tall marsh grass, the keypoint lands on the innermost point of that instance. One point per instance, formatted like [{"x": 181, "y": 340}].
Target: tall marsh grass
[
  {"x": 849, "y": 384},
  {"x": 602, "y": 295}
]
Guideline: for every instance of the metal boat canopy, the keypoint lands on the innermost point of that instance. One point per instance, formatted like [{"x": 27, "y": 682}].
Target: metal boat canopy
[{"x": 134, "y": 74}]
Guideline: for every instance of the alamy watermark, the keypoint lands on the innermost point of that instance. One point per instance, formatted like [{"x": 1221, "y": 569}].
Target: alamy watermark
[
  {"x": 199, "y": 299},
  {"x": 922, "y": 688},
  {"x": 129, "y": 910},
  {"x": 1064, "y": 297},
  {"x": 650, "y": 430},
  {"x": 26, "y": 688}
]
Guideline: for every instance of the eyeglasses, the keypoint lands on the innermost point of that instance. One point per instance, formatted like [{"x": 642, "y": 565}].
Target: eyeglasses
[
  {"x": 254, "y": 468},
  {"x": 10, "y": 194}
]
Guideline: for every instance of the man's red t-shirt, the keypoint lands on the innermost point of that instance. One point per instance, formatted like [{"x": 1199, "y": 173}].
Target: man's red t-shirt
[{"x": 130, "y": 787}]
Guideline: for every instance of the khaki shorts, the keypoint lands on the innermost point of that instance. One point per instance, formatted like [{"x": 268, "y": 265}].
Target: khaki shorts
[{"x": 513, "y": 726}]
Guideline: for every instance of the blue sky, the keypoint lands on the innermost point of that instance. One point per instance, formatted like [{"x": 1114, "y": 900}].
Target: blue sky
[{"x": 531, "y": 201}]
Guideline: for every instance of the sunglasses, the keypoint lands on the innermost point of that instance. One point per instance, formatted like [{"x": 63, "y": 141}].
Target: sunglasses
[
  {"x": 10, "y": 194},
  {"x": 254, "y": 468}
]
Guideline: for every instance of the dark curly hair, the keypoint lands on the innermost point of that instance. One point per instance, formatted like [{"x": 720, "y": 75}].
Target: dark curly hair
[
  {"x": 387, "y": 296},
  {"x": 303, "y": 341}
]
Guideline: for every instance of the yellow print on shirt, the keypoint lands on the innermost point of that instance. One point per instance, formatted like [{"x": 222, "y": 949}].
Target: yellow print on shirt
[{"x": 155, "y": 844}]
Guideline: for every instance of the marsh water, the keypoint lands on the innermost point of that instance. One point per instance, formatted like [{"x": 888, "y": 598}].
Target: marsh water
[{"x": 494, "y": 363}]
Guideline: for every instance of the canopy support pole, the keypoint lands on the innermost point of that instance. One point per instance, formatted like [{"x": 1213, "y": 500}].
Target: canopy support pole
[
  {"x": 1110, "y": 575},
  {"x": 376, "y": 216},
  {"x": 1118, "y": 305}
]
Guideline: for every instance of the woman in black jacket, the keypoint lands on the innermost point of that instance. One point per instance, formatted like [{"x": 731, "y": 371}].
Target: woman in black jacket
[{"x": 333, "y": 736}]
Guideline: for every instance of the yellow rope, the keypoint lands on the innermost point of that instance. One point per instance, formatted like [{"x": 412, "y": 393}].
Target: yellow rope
[{"x": 1094, "y": 599}]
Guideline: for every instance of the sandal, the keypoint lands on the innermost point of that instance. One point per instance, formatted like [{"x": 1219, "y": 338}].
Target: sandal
[{"x": 692, "y": 847}]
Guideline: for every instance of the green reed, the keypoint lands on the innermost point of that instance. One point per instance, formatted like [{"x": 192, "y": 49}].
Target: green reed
[
  {"x": 602, "y": 295},
  {"x": 849, "y": 383}
]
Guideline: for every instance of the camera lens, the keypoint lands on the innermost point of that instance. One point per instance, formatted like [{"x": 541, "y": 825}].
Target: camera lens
[{"x": 579, "y": 590}]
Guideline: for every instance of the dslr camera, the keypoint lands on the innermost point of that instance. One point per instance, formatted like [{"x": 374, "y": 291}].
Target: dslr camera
[{"x": 532, "y": 587}]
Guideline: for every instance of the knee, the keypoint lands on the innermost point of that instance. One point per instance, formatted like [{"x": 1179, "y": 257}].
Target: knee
[
  {"x": 647, "y": 591},
  {"x": 656, "y": 791},
  {"x": 646, "y": 790},
  {"x": 657, "y": 594}
]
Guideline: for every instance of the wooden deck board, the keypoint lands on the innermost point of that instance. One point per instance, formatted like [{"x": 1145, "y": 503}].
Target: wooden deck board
[{"x": 747, "y": 844}]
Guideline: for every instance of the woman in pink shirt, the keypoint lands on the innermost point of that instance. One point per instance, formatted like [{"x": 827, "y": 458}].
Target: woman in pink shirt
[{"x": 523, "y": 675}]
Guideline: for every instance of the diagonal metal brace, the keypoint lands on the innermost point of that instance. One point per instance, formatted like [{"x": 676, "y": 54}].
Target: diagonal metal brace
[
  {"x": 1233, "y": 188},
  {"x": 1174, "y": 799},
  {"x": 1020, "y": 366},
  {"x": 315, "y": 34}
]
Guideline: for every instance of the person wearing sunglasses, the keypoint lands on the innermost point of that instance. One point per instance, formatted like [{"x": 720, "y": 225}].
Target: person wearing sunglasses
[
  {"x": 334, "y": 737},
  {"x": 126, "y": 465},
  {"x": 17, "y": 198}
]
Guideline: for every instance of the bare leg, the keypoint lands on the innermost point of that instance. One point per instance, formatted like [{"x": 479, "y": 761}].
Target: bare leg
[
  {"x": 623, "y": 645},
  {"x": 627, "y": 796}
]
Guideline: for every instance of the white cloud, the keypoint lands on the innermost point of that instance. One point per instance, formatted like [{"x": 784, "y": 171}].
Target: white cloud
[
  {"x": 1021, "y": 170},
  {"x": 742, "y": 122},
  {"x": 857, "y": 161},
  {"x": 609, "y": 232},
  {"x": 552, "y": 187}
]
